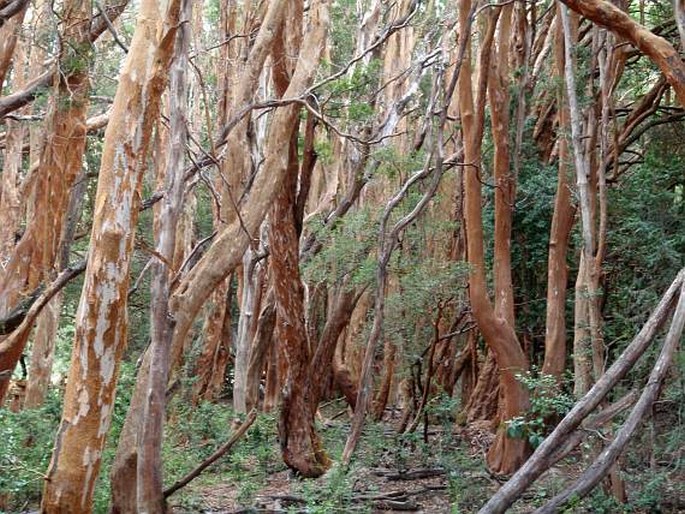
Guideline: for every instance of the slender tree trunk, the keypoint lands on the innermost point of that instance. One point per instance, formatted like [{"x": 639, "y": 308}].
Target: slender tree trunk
[
  {"x": 506, "y": 454},
  {"x": 251, "y": 301},
  {"x": 562, "y": 222},
  {"x": 262, "y": 346},
  {"x": 42, "y": 354},
  {"x": 150, "y": 497}
]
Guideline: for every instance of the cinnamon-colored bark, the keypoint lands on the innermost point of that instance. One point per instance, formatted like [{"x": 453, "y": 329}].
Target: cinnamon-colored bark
[
  {"x": 60, "y": 162},
  {"x": 506, "y": 454},
  {"x": 562, "y": 223},
  {"x": 660, "y": 51},
  {"x": 101, "y": 321}
]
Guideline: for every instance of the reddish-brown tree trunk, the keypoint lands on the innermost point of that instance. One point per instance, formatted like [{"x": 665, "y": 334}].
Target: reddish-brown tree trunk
[
  {"x": 506, "y": 454},
  {"x": 211, "y": 365},
  {"x": 60, "y": 163},
  {"x": 562, "y": 223},
  {"x": 9, "y": 33}
]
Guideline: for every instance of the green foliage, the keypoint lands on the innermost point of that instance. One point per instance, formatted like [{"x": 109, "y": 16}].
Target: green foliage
[
  {"x": 548, "y": 401},
  {"x": 395, "y": 164},
  {"x": 346, "y": 250},
  {"x": 422, "y": 283},
  {"x": 348, "y": 98},
  {"x": 193, "y": 434},
  {"x": 646, "y": 241},
  {"x": 27, "y": 438},
  {"x": 343, "y": 31},
  {"x": 331, "y": 493}
]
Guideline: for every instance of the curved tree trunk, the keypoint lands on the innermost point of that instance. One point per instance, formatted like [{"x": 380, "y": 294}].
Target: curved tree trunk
[{"x": 506, "y": 454}]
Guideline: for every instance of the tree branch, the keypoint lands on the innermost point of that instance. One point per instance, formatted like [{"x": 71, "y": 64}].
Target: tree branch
[{"x": 658, "y": 49}]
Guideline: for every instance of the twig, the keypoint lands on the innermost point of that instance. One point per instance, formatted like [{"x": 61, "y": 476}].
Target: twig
[
  {"x": 28, "y": 311},
  {"x": 215, "y": 456},
  {"x": 111, "y": 28}
]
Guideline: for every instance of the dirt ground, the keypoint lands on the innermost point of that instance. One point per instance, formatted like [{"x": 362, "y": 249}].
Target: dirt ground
[{"x": 429, "y": 478}]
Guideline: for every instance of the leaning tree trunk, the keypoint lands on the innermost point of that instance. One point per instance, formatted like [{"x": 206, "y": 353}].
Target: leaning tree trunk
[
  {"x": 225, "y": 253},
  {"x": 101, "y": 322},
  {"x": 60, "y": 163}
]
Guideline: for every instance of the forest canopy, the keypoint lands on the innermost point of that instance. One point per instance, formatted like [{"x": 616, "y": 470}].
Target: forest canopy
[{"x": 341, "y": 256}]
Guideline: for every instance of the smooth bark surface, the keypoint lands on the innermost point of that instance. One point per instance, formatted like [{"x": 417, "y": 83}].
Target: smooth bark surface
[{"x": 543, "y": 457}]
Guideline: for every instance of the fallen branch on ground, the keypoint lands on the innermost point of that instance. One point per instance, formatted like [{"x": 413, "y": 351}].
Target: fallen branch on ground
[{"x": 215, "y": 456}]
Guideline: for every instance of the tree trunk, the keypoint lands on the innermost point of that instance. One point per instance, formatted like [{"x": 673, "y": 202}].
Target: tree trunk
[
  {"x": 150, "y": 498},
  {"x": 101, "y": 318},
  {"x": 60, "y": 164},
  {"x": 42, "y": 354},
  {"x": 261, "y": 348},
  {"x": 225, "y": 253},
  {"x": 210, "y": 367},
  {"x": 483, "y": 402},
  {"x": 506, "y": 454},
  {"x": 562, "y": 223},
  {"x": 251, "y": 299},
  {"x": 9, "y": 33}
]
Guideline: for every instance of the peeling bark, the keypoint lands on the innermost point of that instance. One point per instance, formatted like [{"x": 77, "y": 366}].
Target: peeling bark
[
  {"x": 226, "y": 252},
  {"x": 101, "y": 317},
  {"x": 35, "y": 254}
]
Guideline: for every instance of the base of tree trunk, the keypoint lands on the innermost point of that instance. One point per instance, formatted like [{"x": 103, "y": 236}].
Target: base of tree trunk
[
  {"x": 300, "y": 444},
  {"x": 506, "y": 455}
]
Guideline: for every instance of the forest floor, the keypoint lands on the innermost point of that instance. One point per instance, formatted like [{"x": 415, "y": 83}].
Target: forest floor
[{"x": 438, "y": 469}]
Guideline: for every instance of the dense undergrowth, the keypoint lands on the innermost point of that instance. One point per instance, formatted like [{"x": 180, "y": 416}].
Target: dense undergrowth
[{"x": 253, "y": 473}]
